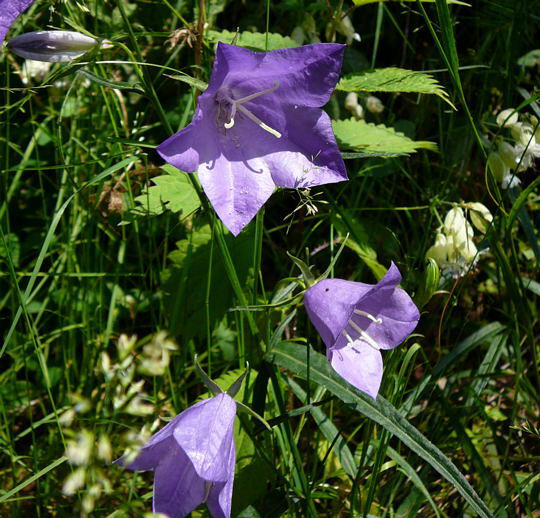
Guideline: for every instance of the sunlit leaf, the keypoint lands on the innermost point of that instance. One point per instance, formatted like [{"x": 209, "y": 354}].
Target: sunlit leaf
[
  {"x": 253, "y": 40},
  {"x": 358, "y": 135},
  {"x": 391, "y": 79}
]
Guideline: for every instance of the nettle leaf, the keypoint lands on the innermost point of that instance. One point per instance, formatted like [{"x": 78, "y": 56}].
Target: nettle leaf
[
  {"x": 253, "y": 40},
  {"x": 172, "y": 191},
  {"x": 392, "y": 79},
  {"x": 294, "y": 357},
  {"x": 359, "y": 135},
  {"x": 365, "y": 2}
]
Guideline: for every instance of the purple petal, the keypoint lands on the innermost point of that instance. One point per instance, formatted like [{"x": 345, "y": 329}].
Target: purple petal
[
  {"x": 329, "y": 305},
  {"x": 160, "y": 444},
  {"x": 205, "y": 434},
  {"x": 220, "y": 497},
  {"x": 307, "y": 75},
  {"x": 237, "y": 189},
  {"x": 398, "y": 313},
  {"x": 9, "y": 12},
  {"x": 192, "y": 145},
  {"x": 360, "y": 365},
  {"x": 178, "y": 489}
]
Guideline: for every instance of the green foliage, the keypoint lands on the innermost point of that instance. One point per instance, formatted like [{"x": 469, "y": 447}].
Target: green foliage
[
  {"x": 359, "y": 135},
  {"x": 391, "y": 80},
  {"x": 253, "y": 40},
  {"x": 172, "y": 191}
]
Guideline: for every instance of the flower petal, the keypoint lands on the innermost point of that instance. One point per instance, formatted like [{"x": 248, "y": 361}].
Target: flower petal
[
  {"x": 205, "y": 433},
  {"x": 237, "y": 189},
  {"x": 9, "y": 12},
  {"x": 360, "y": 365},
  {"x": 220, "y": 497},
  {"x": 178, "y": 489},
  {"x": 194, "y": 144},
  {"x": 329, "y": 305},
  {"x": 307, "y": 75}
]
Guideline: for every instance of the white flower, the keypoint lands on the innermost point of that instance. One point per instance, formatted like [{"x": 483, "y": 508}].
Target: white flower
[
  {"x": 351, "y": 104},
  {"x": 507, "y": 118},
  {"x": 480, "y": 215}
]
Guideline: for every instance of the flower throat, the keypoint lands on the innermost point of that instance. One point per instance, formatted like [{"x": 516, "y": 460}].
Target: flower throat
[{"x": 237, "y": 105}]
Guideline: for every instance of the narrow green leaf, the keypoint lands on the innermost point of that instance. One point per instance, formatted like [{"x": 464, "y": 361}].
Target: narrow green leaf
[
  {"x": 33, "y": 478},
  {"x": 294, "y": 358},
  {"x": 358, "y": 135}
]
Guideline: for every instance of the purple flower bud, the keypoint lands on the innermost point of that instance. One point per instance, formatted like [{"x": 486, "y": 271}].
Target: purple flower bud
[
  {"x": 52, "y": 46},
  {"x": 357, "y": 320},
  {"x": 259, "y": 125},
  {"x": 193, "y": 459},
  {"x": 9, "y": 12}
]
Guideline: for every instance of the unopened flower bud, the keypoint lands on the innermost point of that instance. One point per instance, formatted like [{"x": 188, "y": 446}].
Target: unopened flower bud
[
  {"x": 374, "y": 104},
  {"x": 54, "y": 46},
  {"x": 351, "y": 104},
  {"x": 507, "y": 118}
]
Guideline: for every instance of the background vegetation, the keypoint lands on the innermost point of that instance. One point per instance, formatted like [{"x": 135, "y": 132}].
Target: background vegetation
[{"x": 99, "y": 243}]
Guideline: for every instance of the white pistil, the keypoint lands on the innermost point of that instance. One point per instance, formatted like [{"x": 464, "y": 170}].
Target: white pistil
[
  {"x": 236, "y": 104},
  {"x": 368, "y": 315}
]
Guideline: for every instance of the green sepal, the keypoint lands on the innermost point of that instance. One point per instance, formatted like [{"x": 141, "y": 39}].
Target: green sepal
[
  {"x": 212, "y": 386},
  {"x": 235, "y": 387},
  {"x": 252, "y": 413}
]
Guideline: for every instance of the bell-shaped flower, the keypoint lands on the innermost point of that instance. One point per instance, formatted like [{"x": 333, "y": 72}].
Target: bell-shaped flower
[
  {"x": 357, "y": 320},
  {"x": 9, "y": 12},
  {"x": 53, "y": 46},
  {"x": 259, "y": 125},
  {"x": 193, "y": 458}
]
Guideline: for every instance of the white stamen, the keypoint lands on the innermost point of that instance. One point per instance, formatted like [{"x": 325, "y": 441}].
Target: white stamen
[
  {"x": 368, "y": 315},
  {"x": 364, "y": 335},
  {"x": 347, "y": 336},
  {"x": 259, "y": 122},
  {"x": 237, "y": 104}
]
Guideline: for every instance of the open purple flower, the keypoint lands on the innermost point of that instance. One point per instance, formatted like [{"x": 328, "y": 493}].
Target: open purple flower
[
  {"x": 259, "y": 125},
  {"x": 193, "y": 458},
  {"x": 357, "y": 320},
  {"x": 9, "y": 12}
]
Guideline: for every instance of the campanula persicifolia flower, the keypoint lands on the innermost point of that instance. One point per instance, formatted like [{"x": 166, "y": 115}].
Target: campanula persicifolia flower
[
  {"x": 53, "y": 46},
  {"x": 357, "y": 320},
  {"x": 259, "y": 125},
  {"x": 193, "y": 459},
  {"x": 9, "y": 12}
]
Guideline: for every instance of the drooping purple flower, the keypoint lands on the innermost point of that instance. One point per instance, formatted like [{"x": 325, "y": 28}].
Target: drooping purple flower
[
  {"x": 259, "y": 125},
  {"x": 357, "y": 320},
  {"x": 9, "y": 12},
  {"x": 193, "y": 458}
]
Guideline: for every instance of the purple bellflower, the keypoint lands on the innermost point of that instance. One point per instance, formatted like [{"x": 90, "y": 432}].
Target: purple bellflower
[
  {"x": 259, "y": 125},
  {"x": 357, "y": 320},
  {"x": 9, "y": 12},
  {"x": 193, "y": 458}
]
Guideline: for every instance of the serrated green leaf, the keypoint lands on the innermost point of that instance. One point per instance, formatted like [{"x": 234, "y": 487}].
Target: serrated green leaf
[
  {"x": 358, "y": 135},
  {"x": 172, "y": 191},
  {"x": 253, "y": 40},
  {"x": 294, "y": 357},
  {"x": 391, "y": 79},
  {"x": 365, "y": 2}
]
